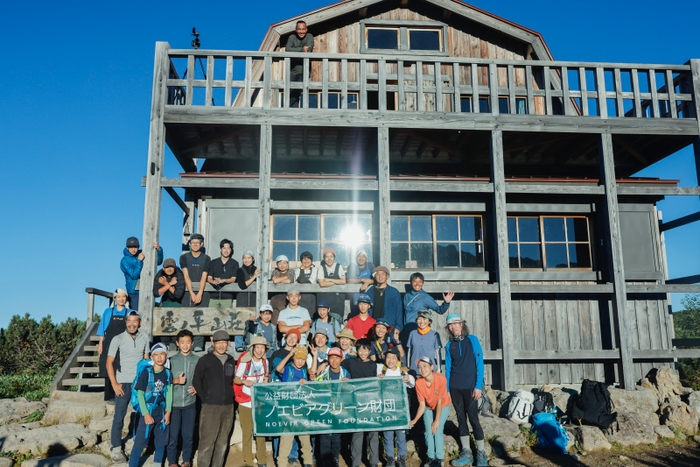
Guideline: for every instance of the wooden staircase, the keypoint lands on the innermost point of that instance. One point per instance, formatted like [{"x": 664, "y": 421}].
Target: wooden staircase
[{"x": 81, "y": 369}]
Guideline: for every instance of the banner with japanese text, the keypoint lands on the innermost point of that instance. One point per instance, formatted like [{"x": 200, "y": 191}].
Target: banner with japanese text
[{"x": 367, "y": 404}]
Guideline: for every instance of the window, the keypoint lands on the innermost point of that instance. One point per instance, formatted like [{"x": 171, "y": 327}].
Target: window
[
  {"x": 549, "y": 242},
  {"x": 383, "y": 38},
  {"x": 334, "y": 100},
  {"x": 485, "y": 105},
  {"x": 442, "y": 241},
  {"x": 294, "y": 234},
  {"x": 426, "y": 37}
]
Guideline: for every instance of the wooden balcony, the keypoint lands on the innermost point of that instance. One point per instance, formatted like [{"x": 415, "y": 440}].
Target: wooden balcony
[{"x": 223, "y": 87}]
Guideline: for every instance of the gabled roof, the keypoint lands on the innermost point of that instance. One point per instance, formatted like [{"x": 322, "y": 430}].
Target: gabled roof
[{"x": 465, "y": 10}]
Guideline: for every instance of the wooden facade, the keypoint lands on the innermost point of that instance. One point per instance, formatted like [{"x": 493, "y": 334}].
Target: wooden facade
[{"x": 488, "y": 127}]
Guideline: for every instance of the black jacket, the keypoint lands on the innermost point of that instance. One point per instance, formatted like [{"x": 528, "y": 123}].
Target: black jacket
[
  {"x": 179, "y": 287},
  {"x": 214, "y": 381}
]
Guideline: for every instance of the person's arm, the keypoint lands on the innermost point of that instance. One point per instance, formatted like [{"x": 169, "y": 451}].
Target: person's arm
[
  {"x": 280, "y": 366},
  {"x": 178, "y": 287},
  {"x": 280, "y": 279},
  {"x": 168, "y": 404},
  {"x": 198, "y": 377},
  {"x": 419, "y": 414},
  {"x": 305, "y": 327},
  {"x": 436, "y": 421},
  {"x": 442, "y": 309},
  {"x": 159, "y": 252},
  {"x": 188, "y": 281},
  {"x": 479, "y": 357},
  {"x": 202, "y": 285},
  {"x": 112, "y": 377},
  {"x": 448, "y": 364},
  {"x": 282, "y": 327},
  {"x": 131, "y": 267}
]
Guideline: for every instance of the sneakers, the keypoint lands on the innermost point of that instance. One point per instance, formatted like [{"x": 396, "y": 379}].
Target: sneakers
[
  {"x": 390, "y": 462},
  {"x": 465, "y": 458},
  {"x": 429, "y": 463},
  {"x": 401, "y": 461},
  {"x": 438, "y": 463},
  {"x": 480, "y": 458},
  {"x": 308, "y": 465},
  {"x": 117, "y": 455},
  {"x": 293, "y": 461}
]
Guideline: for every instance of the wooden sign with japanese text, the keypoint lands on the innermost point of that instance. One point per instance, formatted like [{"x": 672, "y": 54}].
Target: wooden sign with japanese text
[{"x": 168, "y": 321}]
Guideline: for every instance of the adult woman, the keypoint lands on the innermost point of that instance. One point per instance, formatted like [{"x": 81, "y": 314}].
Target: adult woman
[
  {"x": 113, "y": 323},
  {"x": 434, "y": 406},
  {"x": 464, "y": 369},
  {"x": 417, "y": 299}
]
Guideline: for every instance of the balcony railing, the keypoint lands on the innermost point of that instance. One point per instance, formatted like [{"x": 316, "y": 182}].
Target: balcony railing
[{"x": 429, "y": 84}]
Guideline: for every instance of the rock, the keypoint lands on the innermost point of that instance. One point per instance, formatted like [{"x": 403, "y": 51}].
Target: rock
[
  {"x": 666, "y": 384},
  {"x": 501, "y": 398},
  {"x": 629, "y": 430},
  {"x": 642, "y": 402},
  {"x": 508, "y": 446},
  {"x": 16, "y": 410},
  {"x": 494, "y": 426},
  {"x": 5, "y": 462},
  {"x": 497, "y": 461},
  {"x": 101, "y": 425},
  {"x": 662, "y": 431},
  {"x": 681, "y": 416},
  {"x": 57, "y": 438},
  {"x": 590, "y": 438},
  {"x": 694, "y": 400},
  {"x": 696, "y": 439},
  {"x": 74, "y": 412},
  {"x": 105, "y": 446},
  {"x": 76, "y": 460},
  {"x": 562, "y": 397},
  {"x": 491, "y": 394}
]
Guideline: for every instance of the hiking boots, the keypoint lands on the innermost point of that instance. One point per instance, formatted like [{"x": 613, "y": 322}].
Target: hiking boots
[
  {"x": 292, "y": 461},
  {"x": 438, "y": 463},
  {"x": 429, "y": 463},
  {"x": 390, "y": 462},
  {"x": 401, "y": 462},
  {"x": 117, "y": 455},
  {"x": 465, "y": 458},
  {"x": 480, "y": 458}
]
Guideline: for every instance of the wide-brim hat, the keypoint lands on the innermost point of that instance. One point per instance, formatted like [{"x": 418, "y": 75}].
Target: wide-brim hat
[
  {"x": 301, "y": 353},
  {"x": 345, "y": 332},
  {"x": 427, "y": 314},
  {"x": 258, "y": 340},
  {"x": 453, "y": 318}
]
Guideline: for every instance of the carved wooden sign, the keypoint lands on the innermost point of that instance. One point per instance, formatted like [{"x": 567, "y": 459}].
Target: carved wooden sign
[{"x": 169, "y": 321}]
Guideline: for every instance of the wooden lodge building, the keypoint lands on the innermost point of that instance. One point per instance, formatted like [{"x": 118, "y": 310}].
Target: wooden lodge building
[{"x": 442, "y": 139}]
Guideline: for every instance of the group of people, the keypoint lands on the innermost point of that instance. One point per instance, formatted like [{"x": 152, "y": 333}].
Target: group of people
[{"x": 386, "y": 336}]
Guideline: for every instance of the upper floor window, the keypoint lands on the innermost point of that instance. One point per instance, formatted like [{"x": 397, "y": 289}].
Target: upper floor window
[
  {"x": 404, "y": 36},
  {"x": 440, "y": 241},
  {"x": 549, "y": 242}
]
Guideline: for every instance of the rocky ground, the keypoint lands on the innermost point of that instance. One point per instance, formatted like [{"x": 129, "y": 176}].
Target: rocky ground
[{"x": 657, "y": 425}]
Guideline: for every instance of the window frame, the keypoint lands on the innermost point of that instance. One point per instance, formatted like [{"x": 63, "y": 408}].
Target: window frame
[{"x": 403, "y": 27}]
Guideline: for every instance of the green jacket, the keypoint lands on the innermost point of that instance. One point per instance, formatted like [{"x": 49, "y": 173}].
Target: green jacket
[{"x": 178, "y": 364}]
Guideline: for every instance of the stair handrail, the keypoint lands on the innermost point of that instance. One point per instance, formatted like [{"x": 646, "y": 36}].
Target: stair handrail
[{"x": 78, "y": 351}]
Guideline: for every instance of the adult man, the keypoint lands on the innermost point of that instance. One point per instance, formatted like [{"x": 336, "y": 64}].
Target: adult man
[
  {"x": 300, "y": 41},
  {"x": 169, "y": 284},
  {"x": 213, "y": 382},
  {"x": 131, "y": 265},
  {"x": 195, "y": 268},
  {"x": 222, "y": 271},
  {"x": 132, "y": 346},
  {"x": 294, "y": 317},
  {"x": 386, "y": 300}
]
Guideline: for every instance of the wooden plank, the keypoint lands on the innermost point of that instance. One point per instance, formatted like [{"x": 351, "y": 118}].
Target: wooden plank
[
  {"x": 363, "y": 85},
  {"x": 420, "y": 95},
  {"x": 456, "y": 78},
  {"x": 287, "y": 80},
  {"x": 665, "y": 354},
  {"x": 324, "y": 83},
  {"x": 401, "y": 85},
  {"x": 190, "y": 79},
  {"x": 562, "y": 343},
  {"x": 512, "y": 105},
  {"x": 636, "y": 93},
  {"x": 655, "y": 111},
  {"x": 264, "y": 201},
  {"x": 475, "y": 89},
  {"x": 614, "y": 243},
  {"x": 530, "y": 370},
  {"x": 583, "y": 84},
  {"x": 530, "y": 83},
  {"x": 493, "y": 89},
  {"x": 586, "y": 338},
  {"x": 574, "y": 338},
  {"x": 381, "y": 72},
  {"x": 618, "y": 93},
  {"x": 169, "y": 321},
  {"x": 600, "y": 91},
  {"x": 384, "y": 195},
  {"x": 596, "y": 336},
  {"x": 566, "y": 355},
  {"x": 439, "y": 99},
  {"x": 566, "y": 99},
  {"x": 305, "y": 83},
  {"x": 518, "y": 337},
  {"x": 267, "y": 77},
  {"x": 208, "y": 95},
  {"x": 547, "y": 91},
  {"x": 248, "y": 81},
  {"x": 671, "y": 90},
  {"x": 228, "y": 93},
  {"x": 657, "y": 327},
  {"x": 551, "y": 339}
]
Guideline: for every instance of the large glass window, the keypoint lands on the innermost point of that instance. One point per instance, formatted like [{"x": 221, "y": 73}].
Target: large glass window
[
  {"x": 441, "y": 241},
  {"x": 403, "y": 38},
  {"x": 549, "y": 242},
  {"x": 346, "y": 234}
]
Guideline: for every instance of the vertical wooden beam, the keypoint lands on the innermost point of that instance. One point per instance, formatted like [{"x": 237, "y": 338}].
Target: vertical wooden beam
[
  {"x": 695, "y": 77},
  {"x": 384, "y": 210},
  {"x": 614, "y": 245},
  {"x": 263, "y": 254},
  {"x": 90, "y": 309},
  {"x": 154, "y": 172},
  {"x": 500, "y": 221}
]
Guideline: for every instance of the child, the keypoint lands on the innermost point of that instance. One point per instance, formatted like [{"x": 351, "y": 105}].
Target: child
[
  {"x": 291, "y": 340},
  {"x": 431, "y": 390},
  {"x": 295, "y": 371},
  {"x": 253, "y": 368},
  {"x": 326, "y": 321},
  {"x": 263, "y": 326},
  {"x": 294, "y": 316},
  {"x": 361, "y": 324},
  {"x": 330, "y": 444},
  {"x": 282, "y": 274},
  {"x": 363, "y": 367},
  {"x": 346, "y": 343},
  {"x": 154, "y": 392},
  {"x": 464, "y": 369},
  {"x": 184, "y": 412},
  {"x": 391, "y": 368},
  {"x": 383, "y": 341},
  {"x": 423, "y": 341},
  {"x": 320, "y": 345}
]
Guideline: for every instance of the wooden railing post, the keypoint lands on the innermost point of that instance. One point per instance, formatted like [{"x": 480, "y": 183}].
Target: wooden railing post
[
  {"x": 263, "y": 258},
  {"x": 695, "y": 77},
  {"x": 90, "y": 308},
  {"x": 383, "y": 151}
]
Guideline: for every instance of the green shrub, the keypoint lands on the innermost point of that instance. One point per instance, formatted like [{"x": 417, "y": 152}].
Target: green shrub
[{"x": 34, "y": 387}]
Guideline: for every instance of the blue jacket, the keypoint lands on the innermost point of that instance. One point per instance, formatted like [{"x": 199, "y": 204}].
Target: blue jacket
[
  {"x": 131, "y": 267},
  {"x": 478, "y": 356},
  {"x": 393, "y": 310},
  {"x": 414, "y": 301}
]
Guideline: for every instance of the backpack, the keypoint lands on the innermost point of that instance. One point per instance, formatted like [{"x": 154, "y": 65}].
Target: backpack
[
  {"x": 593, "y": 406},
  {"x": 484, "y": 404},
  {"x": 238, "y": 394},
  {"x": 520, "y": 406},
  {"x": 544, "y": 402},
  {"x": 147, "y": 365},
  {"x": 551, "y": 434}
]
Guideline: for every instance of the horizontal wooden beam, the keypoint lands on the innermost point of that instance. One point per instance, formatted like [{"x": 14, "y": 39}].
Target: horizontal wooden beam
[
  {"x": 555, "y": 188},
  {"x": 428, "y": 120},
  {"x": 692, "y": 342},
  {"x": 681, "y": 221},
  {"x": 450, "y": 186},
  {"x": 685, "y": 280},
  {"x": 627, "y": 189},
  {"x": 564, "y": 289},
  {"x": 219, "y": 182},
  {"x": 548, "y": 355},
  {"x": 663, "y": 288},
  {"x": 665, "y": 354},
  {"x": 100, "y": 292}
]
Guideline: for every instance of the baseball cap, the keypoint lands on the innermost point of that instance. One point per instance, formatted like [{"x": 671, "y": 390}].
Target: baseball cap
[
  {"x": 381, "y": 269},
  {"x": 335, "y": 352},
  {"x": 394, "y": 351},
  {"x": 383, "y": 322},
  {"x": 425, "y": 314},
  {"x": 159, "y": 347},
  {"x": 323, "y": 303},
  {"x": 301, "y": 353},
  {"x": 265, "y": 308},
  {"x": 132, "y": 241},
  {"x": 281, "y": 258},
  {"x": 168, "y": 263},
  {"x": 294, "y": 331},
  {"x": 424, "y": 359},
  {"x": 363, "y": 297},
  {"x": 454, "y": 318}
]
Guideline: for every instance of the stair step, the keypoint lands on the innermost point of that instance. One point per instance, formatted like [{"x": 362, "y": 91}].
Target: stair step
[
  {"x": 90, "y": 348},
  {"x": 94, "y": 338},
  {"x": 95, "y": 382},
  {"x": 85, "y": 370},
  {"x": 88, "y": 359}
]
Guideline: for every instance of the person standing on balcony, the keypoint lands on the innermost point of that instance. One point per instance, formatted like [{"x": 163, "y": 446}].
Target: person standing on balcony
[
  {"x": 222, "y": 272},
  {"x": 195, "y": 266},
  {"x": 329, "y": 274},
  {"x": 300, "y": 41},
  {"x": 417, "y": 299},
  {"x": 131, "y": 265}
]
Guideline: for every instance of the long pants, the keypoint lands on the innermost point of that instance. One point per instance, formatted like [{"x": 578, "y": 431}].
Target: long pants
[
  {"x": 159, "y": 432},
  {"x": 329, "y": 449},
  {"x": 121, "y": 404},
  {"x": 286, "y": 447},
  {"x": 400, "y": 436},
  {"x": 466, "y": 406},
  {"x": 245, "y": 415},
  {"x": 372, "y": 447},
  {"x": 293, "y": 454},
  {"x": 435, "y": 442},
  {"x": 215, "y": 425},
  {"x": 134, "y": 301},
  {"x": 182, "y": 422}
]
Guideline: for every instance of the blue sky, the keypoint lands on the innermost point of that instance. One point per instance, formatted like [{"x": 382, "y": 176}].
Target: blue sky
[{"x": 76, "y": 93}]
